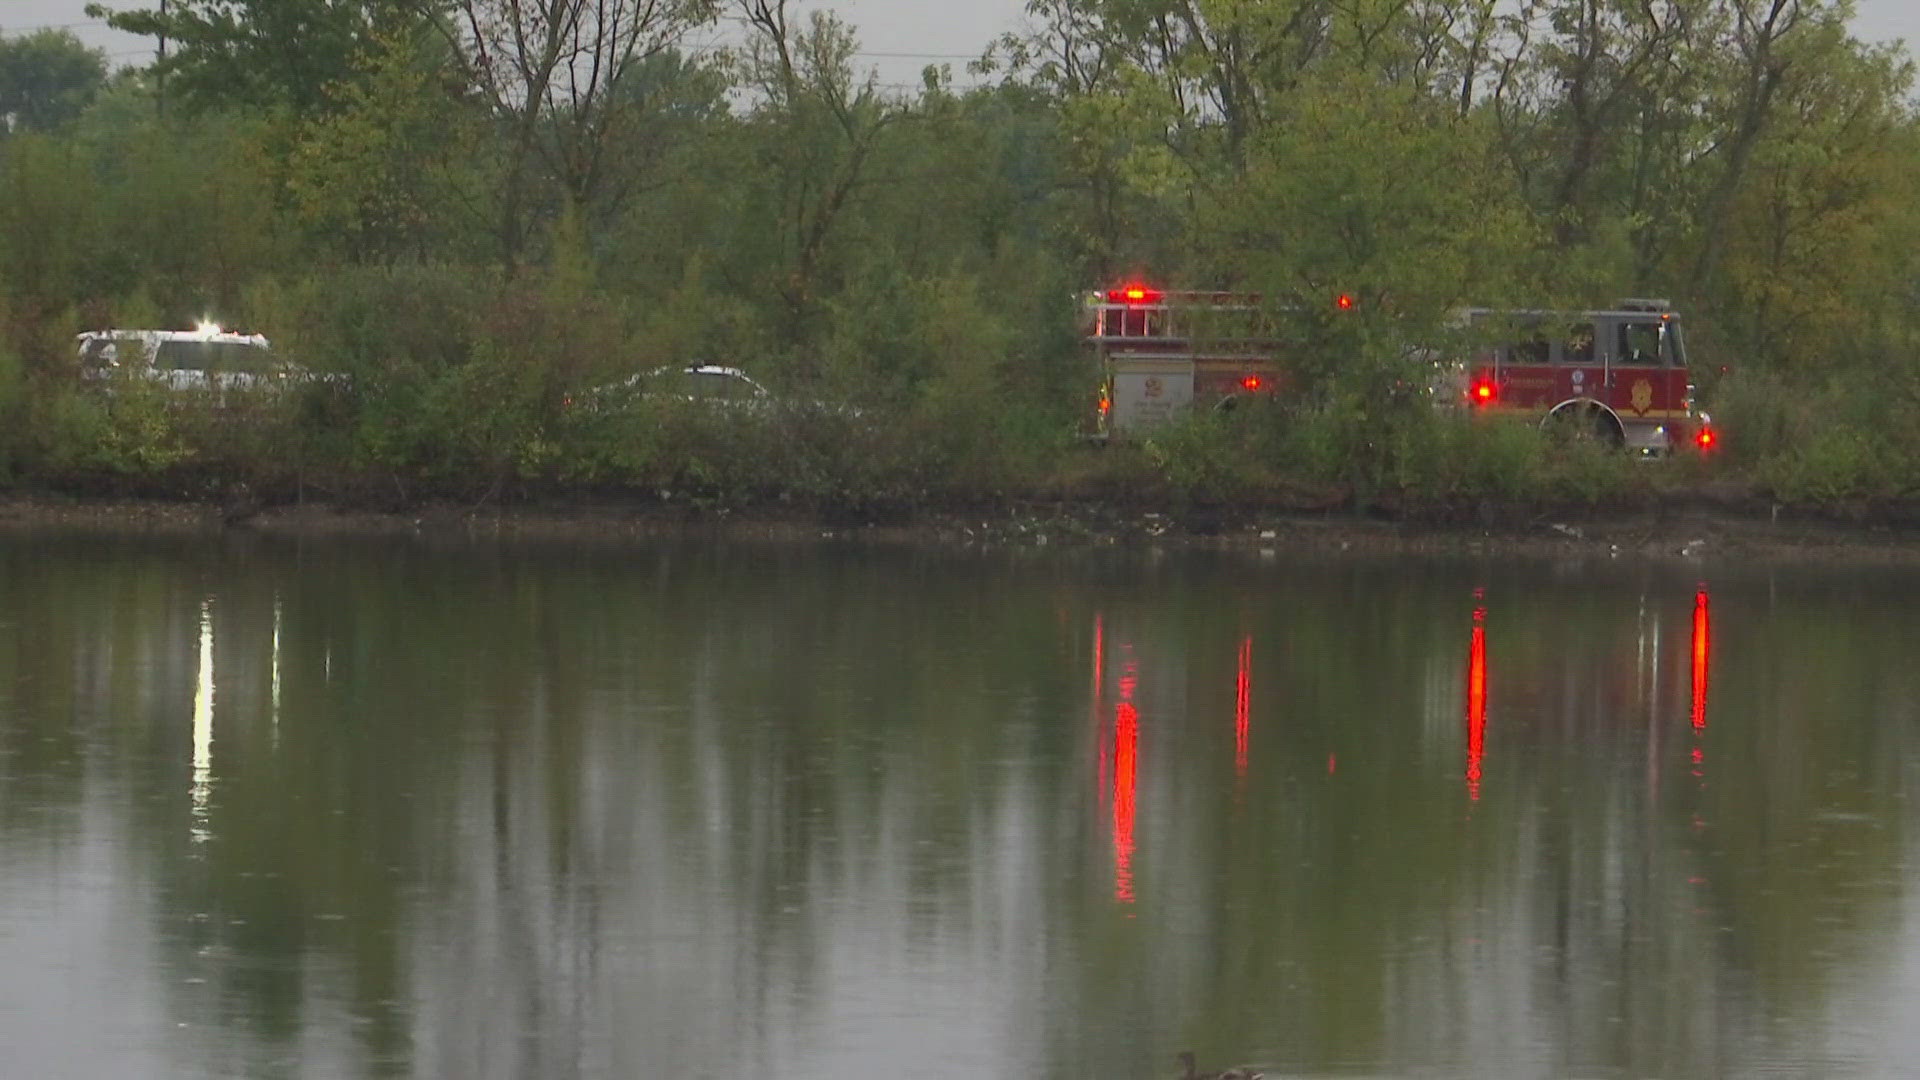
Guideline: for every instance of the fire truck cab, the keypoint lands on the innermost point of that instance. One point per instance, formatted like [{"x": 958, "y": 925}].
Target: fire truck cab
[
  {"x": 1162, "y": 353},
  {"x": 1617, "y": 375}
]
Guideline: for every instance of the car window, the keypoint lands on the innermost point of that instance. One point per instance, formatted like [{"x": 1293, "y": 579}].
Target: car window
[
  {"x": 179, "y": 355},
  {"x": 99, "y": 352},
  {"x": 683, "y": 384},
  {"x": 730, "y": 387}
]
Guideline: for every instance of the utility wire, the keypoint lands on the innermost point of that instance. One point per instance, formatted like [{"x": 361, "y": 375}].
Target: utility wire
[
  {"x": 696, "y": 50},
  {"x": 52, "y": 26}
]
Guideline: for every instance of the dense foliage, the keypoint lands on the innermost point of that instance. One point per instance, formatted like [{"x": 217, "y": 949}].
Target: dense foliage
[{"x": 472, "y": 211}]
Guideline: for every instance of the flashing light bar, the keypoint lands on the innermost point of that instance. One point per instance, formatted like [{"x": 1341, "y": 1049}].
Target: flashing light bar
[{"x": 1134, "y": 294}]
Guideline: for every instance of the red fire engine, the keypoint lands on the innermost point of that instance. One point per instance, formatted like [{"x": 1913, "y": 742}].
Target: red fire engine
[
  {"x": 1617, "y": 375},
  {"x": 1162, "y": 353}
]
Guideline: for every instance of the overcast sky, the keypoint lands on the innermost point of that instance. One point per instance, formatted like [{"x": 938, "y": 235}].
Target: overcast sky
[{"x": 934, "y": 31}]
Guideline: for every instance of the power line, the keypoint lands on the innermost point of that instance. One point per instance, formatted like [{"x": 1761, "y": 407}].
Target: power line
[
  {"x": 921, "y": 55},
  {"x": 702, "y": 49},
  {"x": 697, "y": 50},
  {"x": 52, "y": 26}
]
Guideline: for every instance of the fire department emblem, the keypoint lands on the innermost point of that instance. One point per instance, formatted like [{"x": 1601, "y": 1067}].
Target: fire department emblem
[
  {"x": 1152, "y": 388},
  {"x": 1642, "y": 396}
]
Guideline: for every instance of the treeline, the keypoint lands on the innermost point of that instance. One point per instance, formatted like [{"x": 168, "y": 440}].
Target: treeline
[{"x": 478, "y": 209}]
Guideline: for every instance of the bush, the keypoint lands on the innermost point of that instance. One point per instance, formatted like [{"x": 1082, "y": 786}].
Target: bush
[
  {"x": 449, "y": 375},
  {"x": 12, "y": 410},
  {"x": 1842, "y": 437},
  {"x": 1218, "y": 456}
]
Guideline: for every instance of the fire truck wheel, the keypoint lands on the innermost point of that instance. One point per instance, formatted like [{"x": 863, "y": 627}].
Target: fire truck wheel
[{"x": 1585, "y": 423}]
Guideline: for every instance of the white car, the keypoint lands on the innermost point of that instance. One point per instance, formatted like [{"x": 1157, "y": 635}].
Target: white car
[
  {"x": 726, "y": 390},
  {"x": 700, "y": 382},
  {"x": 206, "y": 358}
]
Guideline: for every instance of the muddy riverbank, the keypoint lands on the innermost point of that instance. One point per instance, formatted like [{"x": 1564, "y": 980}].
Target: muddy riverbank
[{"x": 1724, "y": 526}]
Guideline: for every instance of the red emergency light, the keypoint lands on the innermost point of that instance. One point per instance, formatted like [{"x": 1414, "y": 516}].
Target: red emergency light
[
  {"x": 1134, "y": 294},
  {"x": 1483, "y": 392},
  {"x": 1344, "y": 301},
  {"x": 1251, "y": 382},
  {"x": 1705, "y": 438}
]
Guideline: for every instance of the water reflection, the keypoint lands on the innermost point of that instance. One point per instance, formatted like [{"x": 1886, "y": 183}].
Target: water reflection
[
  {"x": 1701, "y": 635},
  {"x": 1242, "y": 708},
  {"x": 1476, "y": 697},
  {"x": 707, "y": 810},
  {"x": 1126, "y": 749},
  {"x": 275, "y": 691},
  {"x": 1700, "y": 642},
  {"x": 202, "y": 789}
]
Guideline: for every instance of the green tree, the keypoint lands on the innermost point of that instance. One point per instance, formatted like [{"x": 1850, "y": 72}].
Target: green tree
[
  {"x": 565, "y": 79},
  {"x": 1820, "y": 240},
  {"x": 1381, "y": 194},
  {"x": 819, "y": 127},
  {"x": 51, "y": 227},
  {"x": 47, "y": 79},
  {"x": 393, "y": 169},
  {"x": 260, "y": 52}
]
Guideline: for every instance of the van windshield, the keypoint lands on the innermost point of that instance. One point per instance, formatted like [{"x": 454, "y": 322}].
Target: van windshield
[{"x": 213, "y": 356}]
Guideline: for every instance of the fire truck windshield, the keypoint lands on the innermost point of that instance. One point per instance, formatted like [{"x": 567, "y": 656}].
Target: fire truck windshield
[{"x": 1642, "y": 344}]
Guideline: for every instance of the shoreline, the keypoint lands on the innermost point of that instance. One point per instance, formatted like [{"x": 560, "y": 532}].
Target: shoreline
[{"x": 1669, "y": 531}]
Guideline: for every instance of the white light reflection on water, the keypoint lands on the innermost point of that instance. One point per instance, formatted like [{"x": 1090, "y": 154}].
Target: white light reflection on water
[
  {"x": 275, "y": 715},
  {"x": 203, "y": 728}
]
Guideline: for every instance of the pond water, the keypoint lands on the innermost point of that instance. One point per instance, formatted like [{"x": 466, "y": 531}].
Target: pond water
[{"x": 346, "y": 808}]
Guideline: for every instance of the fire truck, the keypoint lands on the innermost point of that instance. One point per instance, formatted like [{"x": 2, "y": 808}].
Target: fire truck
[
  {"x": 1163, "y": 353},
  {"x": 1618, "y": 375}
]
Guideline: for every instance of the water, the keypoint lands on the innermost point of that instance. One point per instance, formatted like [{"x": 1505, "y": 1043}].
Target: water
[{"x": 275, "y": 808}]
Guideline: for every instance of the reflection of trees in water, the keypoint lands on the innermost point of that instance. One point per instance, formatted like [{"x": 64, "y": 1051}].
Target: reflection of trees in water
[
  {"x": 623, "y": 813},
  {"x": 784, "y": 833}
]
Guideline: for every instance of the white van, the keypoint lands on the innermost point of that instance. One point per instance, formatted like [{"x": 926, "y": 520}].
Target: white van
[{"x": 207, "y": 358}]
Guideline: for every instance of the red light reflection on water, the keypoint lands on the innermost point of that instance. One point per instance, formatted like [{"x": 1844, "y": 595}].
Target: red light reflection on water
[
  {"x": 1242, "y": 696},
  {"x": 1126, "y": 749},
  {"x": 1702, "y": 639},
  {"x": 1476, "y": 700}
]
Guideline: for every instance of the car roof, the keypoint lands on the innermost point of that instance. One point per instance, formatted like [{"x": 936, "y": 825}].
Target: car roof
[
  {"x": 701, "y": 369},
  {"x": 223, "y": 337},
  {"x": 716, "y": 370}
]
